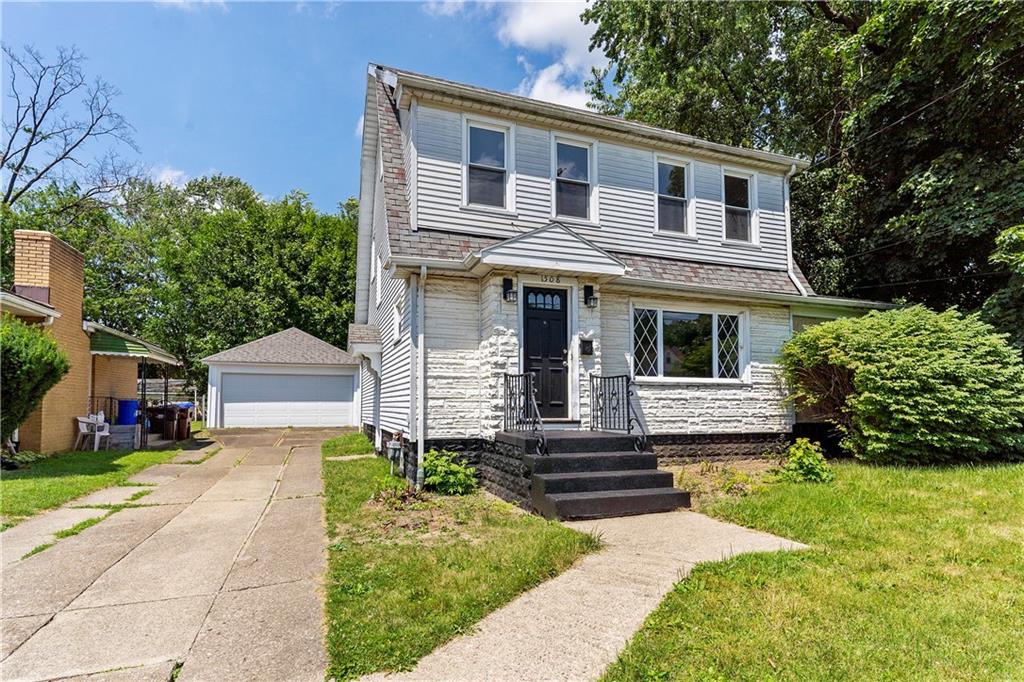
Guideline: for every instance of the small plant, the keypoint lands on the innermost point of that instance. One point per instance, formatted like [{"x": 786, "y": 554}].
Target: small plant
[
  {"x": 444, "y": 474},
  {"x": 395, "y": 493},
  {"x": 805, "y": 462}
]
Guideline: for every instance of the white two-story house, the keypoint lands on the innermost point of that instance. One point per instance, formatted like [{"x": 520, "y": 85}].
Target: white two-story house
[{"x": 522, "y": 264}]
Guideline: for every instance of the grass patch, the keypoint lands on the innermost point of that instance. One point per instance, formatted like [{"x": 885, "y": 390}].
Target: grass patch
[
  {"x": 350, "y": 444},
  {"x": 915, "y": 574},
  {"x": 210, "y": 453},
  {"x": 51, "y": 482},
  {"x": 37, "y": 549},
  {"x": 198, "y": 425},
  {"x": 80, "y": 526},
  {"x": 406, "y": 577}
]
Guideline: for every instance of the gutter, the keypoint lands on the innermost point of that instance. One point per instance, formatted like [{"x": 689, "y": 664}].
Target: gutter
[
  {"x": 789, "y": 232},
  {"x": 421, "y": 376},
  {"x": 796, "y": 299}
]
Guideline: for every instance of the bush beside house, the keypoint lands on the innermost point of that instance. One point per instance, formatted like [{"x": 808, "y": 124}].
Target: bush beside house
[
  {"x": 913, "y": 386},
  {"x": 32, "y": 365}
]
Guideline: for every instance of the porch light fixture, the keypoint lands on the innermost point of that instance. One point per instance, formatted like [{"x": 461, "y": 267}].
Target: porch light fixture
[
  {"x": 589, "y": 298},
  {"x": 508, "y": 293}
]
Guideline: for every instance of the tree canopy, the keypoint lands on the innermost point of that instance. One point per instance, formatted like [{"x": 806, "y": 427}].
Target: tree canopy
[
  {"x": 912, "y": 115},
  {"x": 205, "y": 267}
]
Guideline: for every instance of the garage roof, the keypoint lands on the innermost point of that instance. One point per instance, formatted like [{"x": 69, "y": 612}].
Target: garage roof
[{"x": 289, "y": 347}]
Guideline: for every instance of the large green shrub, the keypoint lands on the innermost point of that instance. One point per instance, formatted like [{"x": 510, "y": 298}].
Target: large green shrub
[
  {"x": 30, "y": 364},
  {"x": 913, "y": 386},
  {"x": 443, "y": 473}
]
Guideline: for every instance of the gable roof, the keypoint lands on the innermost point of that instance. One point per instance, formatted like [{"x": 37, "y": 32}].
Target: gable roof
[
  {"x": 289, "y": 347},
  {"x": 448, "y": 91},
  {"x": 554, "y": 246}
]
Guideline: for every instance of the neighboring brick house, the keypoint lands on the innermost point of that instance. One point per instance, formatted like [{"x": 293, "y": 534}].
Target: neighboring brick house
[
  {"x": 104, "y": 363},
  {"x": 635, "y": 278}
]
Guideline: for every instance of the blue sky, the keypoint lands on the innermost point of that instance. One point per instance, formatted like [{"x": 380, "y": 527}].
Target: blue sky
[{"x": 272, "y": 92}]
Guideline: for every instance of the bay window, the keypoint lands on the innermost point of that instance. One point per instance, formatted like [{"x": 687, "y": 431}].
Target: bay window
[
  {"x": 572, "y": 180},
  {"x": 486, "y": 166},
  {"x": 687, "y": 344},
  {"x": 739, "y": 207}
]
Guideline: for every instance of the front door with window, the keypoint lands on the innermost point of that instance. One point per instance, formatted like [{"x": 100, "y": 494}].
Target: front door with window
[{"x": 546, "y": 348}]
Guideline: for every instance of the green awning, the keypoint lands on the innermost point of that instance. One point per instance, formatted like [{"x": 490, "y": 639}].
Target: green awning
[
  {"x": 106, "y": 341},
  {"x": 102, "y": 342}
]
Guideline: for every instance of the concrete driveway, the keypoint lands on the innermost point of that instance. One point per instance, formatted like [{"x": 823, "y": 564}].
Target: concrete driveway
[{"x": 217, "y": 577}]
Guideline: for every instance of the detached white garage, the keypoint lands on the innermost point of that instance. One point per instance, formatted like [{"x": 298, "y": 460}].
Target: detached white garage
[{"x": 290, "y": 378}]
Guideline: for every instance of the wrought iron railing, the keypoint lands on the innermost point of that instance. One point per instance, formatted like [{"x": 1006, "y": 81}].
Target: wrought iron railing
[
  {"x": 521, "y": 411},
  {"x": 612, "y": 408}
]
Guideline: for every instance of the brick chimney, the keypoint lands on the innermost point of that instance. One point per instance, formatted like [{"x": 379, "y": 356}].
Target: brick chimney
[{"x": 50, "y": 271}]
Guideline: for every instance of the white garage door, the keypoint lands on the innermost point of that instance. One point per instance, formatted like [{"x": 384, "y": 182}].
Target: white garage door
[{"x": 287, "y": 400}]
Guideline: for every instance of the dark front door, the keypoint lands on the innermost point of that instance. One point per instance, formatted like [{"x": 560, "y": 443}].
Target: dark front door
[{"x": 545, "y": 348}]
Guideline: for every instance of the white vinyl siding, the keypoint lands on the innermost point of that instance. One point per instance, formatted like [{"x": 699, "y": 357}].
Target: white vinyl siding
[
  {"x": 623, "y": 182},
  {"x": 395, "y": 388}
]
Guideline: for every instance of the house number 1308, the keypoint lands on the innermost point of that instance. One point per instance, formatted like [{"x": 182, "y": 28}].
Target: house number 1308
[{"x": 551, "y": 279}]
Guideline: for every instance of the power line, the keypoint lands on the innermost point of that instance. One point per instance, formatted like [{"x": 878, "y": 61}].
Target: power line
[
  {"x": 925, "y": 281},
  {"x": 906, "y": 116}
]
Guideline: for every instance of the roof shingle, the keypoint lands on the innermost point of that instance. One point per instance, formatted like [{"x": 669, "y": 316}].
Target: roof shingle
[{"x": 289, "y": 347}]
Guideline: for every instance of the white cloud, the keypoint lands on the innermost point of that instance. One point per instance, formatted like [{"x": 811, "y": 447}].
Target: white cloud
[
  {"x": 549, "y": 85},
  {"x": 556, "y": 28},
  {"x": 359, "y": 126},
  {"x": 444, "y": 8},
  {"x": 165, "y": 175},
  {"x": 551, "y": 26},
  {"x": 192, "y": 5}
]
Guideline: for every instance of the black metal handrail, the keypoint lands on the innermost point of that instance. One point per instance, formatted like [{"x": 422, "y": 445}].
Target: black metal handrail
[
  {"x": 612, "y": 407},
  {"x": 521, "y": 411}
]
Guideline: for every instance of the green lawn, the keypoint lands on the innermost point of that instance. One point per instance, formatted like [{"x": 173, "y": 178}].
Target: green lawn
[
  {"x": 915, "y": 574},
  {"x": 350, "y": 444},
  {"x": 52, "y": 481},
  {"x": 402, "y": 581}
]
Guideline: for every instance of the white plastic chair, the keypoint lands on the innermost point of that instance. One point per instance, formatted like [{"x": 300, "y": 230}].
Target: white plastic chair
[
  {"x": 86, "y": 427},
  {"x": 102, "y": 431}
]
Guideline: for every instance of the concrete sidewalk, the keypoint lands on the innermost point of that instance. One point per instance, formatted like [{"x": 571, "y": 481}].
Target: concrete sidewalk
[
  {"x": 573, "y": 626},
  {"x": 218, "y": 577}
]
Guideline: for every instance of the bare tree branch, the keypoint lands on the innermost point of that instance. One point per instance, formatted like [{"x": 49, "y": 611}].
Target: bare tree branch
[{"x": 49, "y": 136}]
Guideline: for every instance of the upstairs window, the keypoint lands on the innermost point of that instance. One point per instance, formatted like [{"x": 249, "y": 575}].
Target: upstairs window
[
  {"x": 686, "y": 345},
  {"x": 672, "y": 198},
  {"x": 487, "y": 171},
  {"x": 572, "y": 180},
  {"x": 738, "y": 207}
]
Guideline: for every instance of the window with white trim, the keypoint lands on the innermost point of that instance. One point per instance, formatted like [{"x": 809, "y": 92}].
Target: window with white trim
[
  {"x": 572, "y": 179},
  {"x": 687, "y": 345},
  {"x": 486, "y": 165},
  {"x": 739, "y": 206},
  {"x": 672, "y": 198}
]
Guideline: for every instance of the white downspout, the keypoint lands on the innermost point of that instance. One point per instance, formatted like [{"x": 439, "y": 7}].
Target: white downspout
[
  {"x": 789, "y": 233},
  {"x": 421, "y": 375}
]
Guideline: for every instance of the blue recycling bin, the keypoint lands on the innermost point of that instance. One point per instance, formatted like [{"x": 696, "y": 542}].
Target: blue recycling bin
[{"x": 126, "y": 411}]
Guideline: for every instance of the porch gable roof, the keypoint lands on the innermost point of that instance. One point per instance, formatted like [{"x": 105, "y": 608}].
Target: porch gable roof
[{"x": 551, "y": 247}]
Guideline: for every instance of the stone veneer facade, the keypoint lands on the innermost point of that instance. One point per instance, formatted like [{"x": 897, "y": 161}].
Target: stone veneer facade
[{"x": 472, "y": 341}]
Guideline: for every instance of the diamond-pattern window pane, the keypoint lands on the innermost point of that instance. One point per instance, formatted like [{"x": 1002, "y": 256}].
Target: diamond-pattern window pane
[
  {"x": 729, "y": 346},
  {"x": 645, "y": 342}
]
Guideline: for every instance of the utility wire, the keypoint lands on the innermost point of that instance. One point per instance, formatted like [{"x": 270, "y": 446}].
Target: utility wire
[
  {"x": 925, "y": 281},
  {"x": 903, "y": 118}
]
